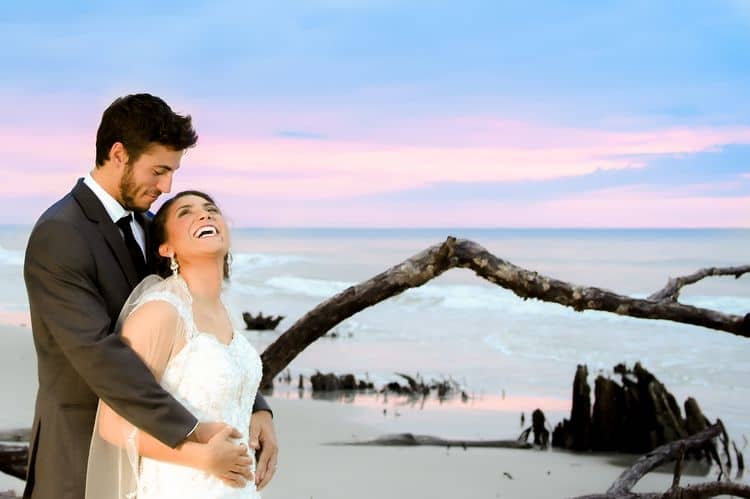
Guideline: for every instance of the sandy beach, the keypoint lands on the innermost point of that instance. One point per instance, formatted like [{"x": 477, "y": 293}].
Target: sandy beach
[{"x": 309, "y": 467}]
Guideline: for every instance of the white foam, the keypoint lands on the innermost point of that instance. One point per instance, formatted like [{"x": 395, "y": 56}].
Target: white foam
[
  {"x": 247, "y": 261},
  {"x": 10, "y": 257},
  {"x": 316, "y": 288},
  {"x": 738, "y": 305}
]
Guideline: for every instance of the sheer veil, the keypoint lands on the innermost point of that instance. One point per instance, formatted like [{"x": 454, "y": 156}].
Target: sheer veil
[{"x": 113, "y": 456}]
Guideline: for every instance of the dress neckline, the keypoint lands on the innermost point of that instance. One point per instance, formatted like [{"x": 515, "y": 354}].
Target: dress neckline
[
  {"x": 184, "y": 284},
  {"x": 216, "y": 338}
]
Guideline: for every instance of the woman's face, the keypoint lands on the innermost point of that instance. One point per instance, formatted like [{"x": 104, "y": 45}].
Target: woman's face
[{"x": 195, "y": 228}]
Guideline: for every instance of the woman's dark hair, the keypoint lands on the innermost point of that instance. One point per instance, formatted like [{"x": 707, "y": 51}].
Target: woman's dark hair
[
  {"x": 139, "y": 120},
  {"x": 160, "y": 264}
]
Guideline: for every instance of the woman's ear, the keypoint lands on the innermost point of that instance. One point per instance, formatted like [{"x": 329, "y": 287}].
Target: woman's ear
[{"x": 165, "y": 250}]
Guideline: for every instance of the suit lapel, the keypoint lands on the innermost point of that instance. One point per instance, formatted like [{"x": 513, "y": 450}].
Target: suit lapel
[{"x": 94, "y": 210}]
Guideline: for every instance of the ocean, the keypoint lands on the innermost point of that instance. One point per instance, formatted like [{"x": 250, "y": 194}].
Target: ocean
[{"x": 508, "y": 354}]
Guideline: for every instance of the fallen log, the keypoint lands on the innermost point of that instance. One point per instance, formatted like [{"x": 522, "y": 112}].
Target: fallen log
[
  {"x": 463, "y": 253},
  {"x": 411, "y": 440}
]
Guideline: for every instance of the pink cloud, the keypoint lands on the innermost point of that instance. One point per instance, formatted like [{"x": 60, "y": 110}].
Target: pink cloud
[
  {"x": 329, "y": 169},
  {"x": 633, "y": 207},
  {"x": 318, "y": 182}
]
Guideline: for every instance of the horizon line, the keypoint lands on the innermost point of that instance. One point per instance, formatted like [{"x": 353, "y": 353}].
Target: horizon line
[{"x": 297, "y": 227}]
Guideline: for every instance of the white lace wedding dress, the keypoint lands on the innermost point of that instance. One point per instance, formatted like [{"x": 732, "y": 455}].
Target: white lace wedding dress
[{"x": 214, "y": 381}]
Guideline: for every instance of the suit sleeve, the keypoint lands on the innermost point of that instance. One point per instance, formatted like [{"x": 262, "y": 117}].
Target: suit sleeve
[
  {"x": 261, "y": 404},
  {"x": 61, "y": 285}
]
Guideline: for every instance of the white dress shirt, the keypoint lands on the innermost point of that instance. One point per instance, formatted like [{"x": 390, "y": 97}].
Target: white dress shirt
[{"x": 116, "y": 211}]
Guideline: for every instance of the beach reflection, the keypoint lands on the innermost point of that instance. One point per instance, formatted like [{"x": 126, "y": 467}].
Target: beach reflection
[
  {"x": 478, "y": 416},
  {"x": 476, "y": 402}
]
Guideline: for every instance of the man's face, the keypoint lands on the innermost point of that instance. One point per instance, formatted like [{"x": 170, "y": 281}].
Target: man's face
[{"x": 148, "y": 177}]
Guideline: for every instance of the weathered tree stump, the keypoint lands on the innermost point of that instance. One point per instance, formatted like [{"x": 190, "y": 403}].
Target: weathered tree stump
[
  {"x": 606, "y": 421},
  {"x": 324, "y": 382},
  {"x": 260, "y": 322},
  {"x": 636, "y": 417},
  {"x": 580, "y": 417},
  {"x": 331, "y": 382},
  {"x": 539, "y": 428}
]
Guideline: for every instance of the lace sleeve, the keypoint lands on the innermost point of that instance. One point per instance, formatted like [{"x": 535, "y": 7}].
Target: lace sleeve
[{"x": 155, "y": 323}]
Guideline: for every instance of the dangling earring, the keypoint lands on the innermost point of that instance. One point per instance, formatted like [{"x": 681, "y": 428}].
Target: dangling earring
[{"x": 173, "y": 265}]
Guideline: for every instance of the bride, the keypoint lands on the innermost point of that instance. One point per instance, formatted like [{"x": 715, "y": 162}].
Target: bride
[{"x": 178, "y": 325}]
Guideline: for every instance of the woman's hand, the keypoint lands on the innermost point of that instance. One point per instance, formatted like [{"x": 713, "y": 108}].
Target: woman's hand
[{"x": 228, "y": 460}]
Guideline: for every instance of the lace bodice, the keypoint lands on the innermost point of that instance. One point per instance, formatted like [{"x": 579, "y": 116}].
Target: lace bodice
[{"x": 216, "y": 382}]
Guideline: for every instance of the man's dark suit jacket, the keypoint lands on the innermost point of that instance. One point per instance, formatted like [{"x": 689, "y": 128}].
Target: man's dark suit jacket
[{"x": 78, "y": 276}]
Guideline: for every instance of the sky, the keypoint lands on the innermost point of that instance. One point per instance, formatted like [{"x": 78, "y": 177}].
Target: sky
[{"x": 383, "y": 113}]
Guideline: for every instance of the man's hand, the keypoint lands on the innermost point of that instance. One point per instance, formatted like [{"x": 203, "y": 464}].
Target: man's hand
[
  {"x": 263, "y": 440},
  {"x": 225, "y": 459}
]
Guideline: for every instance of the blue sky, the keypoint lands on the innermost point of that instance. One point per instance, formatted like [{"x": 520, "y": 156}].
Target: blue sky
[{"x": 638, "y": 100}]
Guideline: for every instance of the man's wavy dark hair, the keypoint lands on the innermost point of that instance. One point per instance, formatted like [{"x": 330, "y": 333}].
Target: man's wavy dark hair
[{"x": 137, "y": 121}]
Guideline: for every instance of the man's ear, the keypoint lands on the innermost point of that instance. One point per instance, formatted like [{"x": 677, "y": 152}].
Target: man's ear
[
  {"x": 165, "y": 250},
  {"x": 118, "y": 154}
]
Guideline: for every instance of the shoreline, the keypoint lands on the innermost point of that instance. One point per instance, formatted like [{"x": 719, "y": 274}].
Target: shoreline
[{"x": 310, "y": 467}]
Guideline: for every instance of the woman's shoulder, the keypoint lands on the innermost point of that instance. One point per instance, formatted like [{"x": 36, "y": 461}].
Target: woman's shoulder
[
  {"x": 157, "y": 301},
  {"x": 171, "y": 291}
]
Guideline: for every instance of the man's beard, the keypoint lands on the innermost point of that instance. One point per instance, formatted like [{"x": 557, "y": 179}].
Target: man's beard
[{"x": 129, "y": 191}]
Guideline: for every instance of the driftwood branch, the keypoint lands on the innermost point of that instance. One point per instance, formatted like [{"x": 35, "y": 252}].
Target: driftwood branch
[
  {"x": 411, "y": 440},
  {"x": 13, "y": 460},
  {"x": 672, "y": 290},
  {"x": 462, "y": 253},
  {"x": 664, "y": 454},
  {"x": 678, "y": 467},
  {"x": 622, "y": 487}
]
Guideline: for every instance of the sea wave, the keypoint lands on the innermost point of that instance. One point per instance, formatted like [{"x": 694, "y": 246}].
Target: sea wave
[
  {"x": 315, "y": 288},
  {"x": 249, "y": 261},
  {"x": 10, "y": 257},
  {"x": 738, "y": 305}
]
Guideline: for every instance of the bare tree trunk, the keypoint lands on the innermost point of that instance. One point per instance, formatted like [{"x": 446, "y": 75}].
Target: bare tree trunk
[{"x": 453, "y": 253}]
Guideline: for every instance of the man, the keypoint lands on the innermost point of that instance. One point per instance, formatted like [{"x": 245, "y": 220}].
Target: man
[{"x": 85, "y": 255}]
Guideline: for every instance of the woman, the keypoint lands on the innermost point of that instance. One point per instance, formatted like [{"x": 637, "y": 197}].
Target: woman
[{"x": 179, "y": 326}]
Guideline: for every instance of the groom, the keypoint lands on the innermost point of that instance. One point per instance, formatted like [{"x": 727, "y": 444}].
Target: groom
[{"x": 85, "y": 255}]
